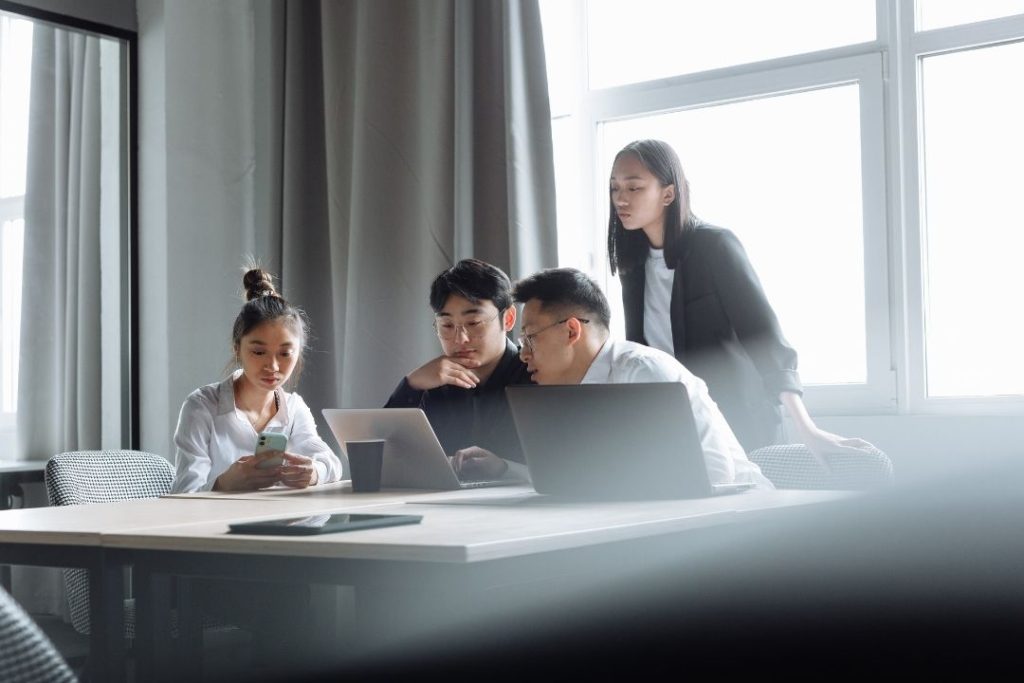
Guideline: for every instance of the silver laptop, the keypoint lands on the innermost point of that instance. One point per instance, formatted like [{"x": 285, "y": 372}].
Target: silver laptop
[
  {"x": 612, "y": 441},
  {"x": 413, "y": 456}
]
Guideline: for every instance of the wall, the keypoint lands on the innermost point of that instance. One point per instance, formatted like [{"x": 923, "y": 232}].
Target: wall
[
  {"x": 198, "y": 198},
  {"x": 117, "y": 13}
]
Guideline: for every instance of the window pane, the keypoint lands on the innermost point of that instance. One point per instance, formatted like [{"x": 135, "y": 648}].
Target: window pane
[
  {"x": 15, "y": 58},
  {"x": 784, "y": 174},
  {"x": 974, "y": 221},
  {"x": 11, "y": 240},
  {"x": 641, "y": 40},
  {"x": 560, "y": 52},
  {"x": 941, "y": 13},
  {"x": 573, "y": 247}
]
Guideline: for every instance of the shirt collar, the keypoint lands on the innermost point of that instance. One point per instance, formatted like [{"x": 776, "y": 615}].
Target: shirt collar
[{"x": 600, "y": 370}]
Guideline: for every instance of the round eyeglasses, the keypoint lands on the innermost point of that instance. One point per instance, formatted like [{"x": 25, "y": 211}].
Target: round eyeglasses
[
  {"x": 475, "y": 328},
  {"x": 526, "y": 340}
]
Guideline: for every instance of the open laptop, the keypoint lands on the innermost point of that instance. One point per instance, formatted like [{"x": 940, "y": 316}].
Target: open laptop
[
  {"x": 612, "y": 441},
  {"x": 413, "y": 456}
]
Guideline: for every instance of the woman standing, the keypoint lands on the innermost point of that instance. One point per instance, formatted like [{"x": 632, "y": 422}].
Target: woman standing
[{"x": 689, "y": 289}]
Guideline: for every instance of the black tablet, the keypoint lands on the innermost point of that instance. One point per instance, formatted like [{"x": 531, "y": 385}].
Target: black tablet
[{"x": 321, "y": 524}]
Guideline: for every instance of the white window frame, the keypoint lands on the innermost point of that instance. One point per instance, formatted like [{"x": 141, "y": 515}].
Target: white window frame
[
  {"x": 887, "y": 71},
  {"x": 910, "y": 47}
]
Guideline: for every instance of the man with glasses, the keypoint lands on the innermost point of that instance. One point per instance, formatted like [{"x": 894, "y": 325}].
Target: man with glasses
[
  {"x": 566, "y": 341},
  {"x": 462, "y": 391}
]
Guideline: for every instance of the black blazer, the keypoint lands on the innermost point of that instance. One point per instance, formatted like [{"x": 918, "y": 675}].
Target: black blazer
[
  {"x": 472, "y": 417},
  {"x": 724, "y": 331}
]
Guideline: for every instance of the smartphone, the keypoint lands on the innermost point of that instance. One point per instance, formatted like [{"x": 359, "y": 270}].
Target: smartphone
[
  {"x": 271, "y": 441},
  {"x": 321, "y": 524}
]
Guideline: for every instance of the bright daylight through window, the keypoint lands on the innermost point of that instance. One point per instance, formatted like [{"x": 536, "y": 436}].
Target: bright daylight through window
[{"x": 15, "y": 56}]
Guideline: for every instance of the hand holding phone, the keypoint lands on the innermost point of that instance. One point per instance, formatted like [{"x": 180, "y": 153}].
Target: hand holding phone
[{"x": 271, "y": 441}]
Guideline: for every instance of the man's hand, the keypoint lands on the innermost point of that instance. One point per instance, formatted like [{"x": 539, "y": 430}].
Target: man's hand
[
  {"x": 478, "y": 464},
  {"x": 444, "y": 370}
]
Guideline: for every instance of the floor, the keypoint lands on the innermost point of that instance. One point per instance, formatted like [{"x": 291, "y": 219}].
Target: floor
[{"x": 227, "y": 653}]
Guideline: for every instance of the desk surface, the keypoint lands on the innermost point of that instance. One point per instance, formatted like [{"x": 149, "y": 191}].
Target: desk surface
[
  {"x": 22, "y": 466},
  {"x": 462, "y": 533},
  {"x": 458, "y": 526},
  {"x": 85, "y": 524}
]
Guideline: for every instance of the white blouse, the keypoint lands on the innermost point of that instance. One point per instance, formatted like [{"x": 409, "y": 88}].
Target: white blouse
[
  {"x": 658, "y": 302},
  {"x": 213, "y": 433}
]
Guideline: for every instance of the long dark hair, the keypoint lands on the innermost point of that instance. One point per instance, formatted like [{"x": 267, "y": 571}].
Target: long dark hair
[
  {"x": 627, "y": 249},
  {"x": 262, "y": 305}
]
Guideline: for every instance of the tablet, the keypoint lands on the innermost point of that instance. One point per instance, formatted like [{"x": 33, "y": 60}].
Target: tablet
[{"x": 321, "y": 524}]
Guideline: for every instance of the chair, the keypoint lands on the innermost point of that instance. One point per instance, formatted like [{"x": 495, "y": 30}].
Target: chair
[
  {"x": 85, "y": 477},
  {"x": 792, "y": 466},
  {"x": 26, "y": 654}
]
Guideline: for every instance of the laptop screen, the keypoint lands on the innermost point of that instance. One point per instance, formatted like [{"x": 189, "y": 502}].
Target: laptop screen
[{"x": 610, "y": 441}]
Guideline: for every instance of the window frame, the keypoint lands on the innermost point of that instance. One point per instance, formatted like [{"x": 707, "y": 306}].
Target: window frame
[
  {"x": 128, "y": 258},
  {"x": 910, "y": 48}
]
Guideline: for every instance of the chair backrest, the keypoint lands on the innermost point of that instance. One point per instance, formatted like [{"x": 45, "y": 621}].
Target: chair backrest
[
  {"x": 26, "y": 654},
  {"x": 82, "y": 477},
  {"x": 792, "y": 466}
]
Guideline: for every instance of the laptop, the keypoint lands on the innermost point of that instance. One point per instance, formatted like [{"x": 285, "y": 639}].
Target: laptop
[
  {"x": 413, "y": 456},
  {"x": 612, "y": 441}
]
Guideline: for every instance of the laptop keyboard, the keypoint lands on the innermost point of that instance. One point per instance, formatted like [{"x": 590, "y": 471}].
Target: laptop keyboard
[{"x": 477, "y": 484}]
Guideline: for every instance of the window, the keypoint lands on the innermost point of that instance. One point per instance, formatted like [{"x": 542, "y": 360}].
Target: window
[
  {"x": 852, "y": 151},
  {"x": 68, "y": 212},
  {"x": 15, "y": 57},
  {"x": 933, "y": 14},
  {"x": 673, "y": 38}
]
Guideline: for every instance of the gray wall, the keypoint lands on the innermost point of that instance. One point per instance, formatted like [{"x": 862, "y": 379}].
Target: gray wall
[
  {"x": 116, "y": 13},
  {"x": 198, "y": 201}
]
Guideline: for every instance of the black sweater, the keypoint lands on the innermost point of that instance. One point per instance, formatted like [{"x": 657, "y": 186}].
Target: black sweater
[
  {"x": 724, "y": 331},
  {"x": 471, "y": 417}
]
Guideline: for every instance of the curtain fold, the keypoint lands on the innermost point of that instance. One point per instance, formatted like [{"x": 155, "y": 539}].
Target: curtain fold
[
  {"x": 60, "y": 385},
  {"x": 414, "y": 134},
  {"x": 59, "y": 395}
]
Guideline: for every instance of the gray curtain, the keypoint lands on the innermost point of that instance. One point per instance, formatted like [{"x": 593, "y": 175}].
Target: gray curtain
[
  {"x": 413, "y": 134},
  {"x": 59, "y": 394},
  {"x": 59, "y": 391}
]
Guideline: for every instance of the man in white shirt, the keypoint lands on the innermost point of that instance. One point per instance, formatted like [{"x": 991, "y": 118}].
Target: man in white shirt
[{"x": 565, "y": 340}]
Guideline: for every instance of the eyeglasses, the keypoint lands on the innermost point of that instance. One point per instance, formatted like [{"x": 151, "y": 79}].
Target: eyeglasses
[
  {"x": 526, "y": 341},
  {"x": 473, "y": 329}
]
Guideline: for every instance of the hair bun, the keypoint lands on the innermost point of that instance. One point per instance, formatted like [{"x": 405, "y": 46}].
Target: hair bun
[{"x": 257, "y": 283}]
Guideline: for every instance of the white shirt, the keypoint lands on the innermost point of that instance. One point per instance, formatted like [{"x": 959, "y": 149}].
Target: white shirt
[
  {"x": 213, "y": 433},
  {"x": 625, "y": 362},
  {"x": 658, "y": 302}
]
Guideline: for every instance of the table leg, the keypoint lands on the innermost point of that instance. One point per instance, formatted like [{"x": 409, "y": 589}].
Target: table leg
[{"x": 106, "y": 620}]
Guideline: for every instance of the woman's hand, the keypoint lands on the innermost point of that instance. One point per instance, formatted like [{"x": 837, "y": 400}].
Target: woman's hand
[
  {"x": 298, "y": 471},
  {"x": 819, "y": 442},
  {"x": 243, "y": 475},
  {"x": 822, "y": 444}
]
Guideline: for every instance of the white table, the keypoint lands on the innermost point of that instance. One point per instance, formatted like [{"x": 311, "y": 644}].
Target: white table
[{"x": 405, "y": 577}]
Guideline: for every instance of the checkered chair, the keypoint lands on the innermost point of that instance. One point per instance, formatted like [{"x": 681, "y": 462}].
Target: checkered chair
[
  {"x": 26, "y": 654},
  {"x": 792, "y": 466},
  {"x": 85, "y": 477}
]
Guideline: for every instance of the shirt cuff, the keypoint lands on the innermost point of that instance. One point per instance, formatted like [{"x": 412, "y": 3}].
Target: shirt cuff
[{"x": 516, "y": 471}]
